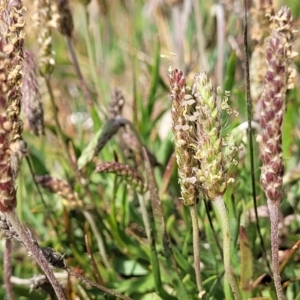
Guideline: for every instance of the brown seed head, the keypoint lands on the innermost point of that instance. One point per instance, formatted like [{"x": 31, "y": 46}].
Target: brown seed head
[
  {"x": 278, "y": 57},
  {"x": 12, "y": 40},
  {"x": 127, "y": 173},
  {"x": 183, "y": 129},
  {"x": 116, "y": 104},
  {"x": 11, "y": 64},
  {"x": 65, "y": 21},
  {"x": 57, "y": 186},
  {"x": 44, "y": 19}
]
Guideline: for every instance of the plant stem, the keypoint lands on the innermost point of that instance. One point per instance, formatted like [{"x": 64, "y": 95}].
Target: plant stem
[
  {"x": 250, "y": 133},
  {"x": 145, "y": 218},
  {"x": 88, "y": 216},
  {"x": 7, "y": 270},
  {"x": 99, "y": 286},
  {"x": 213, "y": 228},
  {"x": 83, "y": 84},
  {"x": 221, "y": 208},
  {"x": 196, "y": 246},
  {"x": 36, "y": 253},
  {"x": 203, "y": 65},
  {"x": 274, "y": 218}
]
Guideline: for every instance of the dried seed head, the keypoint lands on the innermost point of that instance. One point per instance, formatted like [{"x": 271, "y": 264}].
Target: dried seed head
[
  {"x": 65, "y": 21},
  {"x": 7, "y": 183},
  {"x": 116, "y": 104},
  {"x": 31, "y": 97},
  {"x": 44, "y": 19},
  {"x": 279, "y": 55},
  {"x": 261, "y": 12},
  {"x": 11, "y": 59},
  {"x": 183, "y": 129},
  {"x": 12, "y": 40},
  {"x": 127, "y": 173},
  {"x": 57, "y": 186}
]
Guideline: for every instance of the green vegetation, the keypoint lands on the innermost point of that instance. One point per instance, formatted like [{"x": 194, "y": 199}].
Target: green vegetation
[{"x": 133, "y": 166}]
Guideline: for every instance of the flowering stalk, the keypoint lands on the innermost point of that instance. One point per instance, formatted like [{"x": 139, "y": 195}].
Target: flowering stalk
[
  {"x": 215, "y": 155},
  {"x": 277, "y": 81},
  {"x": 183, "y": 129},
  {"x": 183, "y": 134},
  {"x": 11, "y": 65}
]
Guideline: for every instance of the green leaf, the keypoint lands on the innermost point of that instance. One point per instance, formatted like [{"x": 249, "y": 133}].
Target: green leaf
[
  {"x": 100, "y": 139},
  {"x": 230, "y": 72}
]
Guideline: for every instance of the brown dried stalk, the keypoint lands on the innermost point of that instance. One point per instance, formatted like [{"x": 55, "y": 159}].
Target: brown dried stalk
[{"x": 11, "y": 65}]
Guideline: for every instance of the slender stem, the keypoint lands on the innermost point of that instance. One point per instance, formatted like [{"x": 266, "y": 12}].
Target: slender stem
[
  {"x": 36, "y": 253},
  {"x": 213, "y": 228},
  {"x": 274, "y": 218},
  {"x": 250, "y": 132},
  {"x": 49, "y": 213},
  {"x": 219, "y": 11},
  {"x": 196, "y": 246},
  {"x": 88, "y": 43},
  {"x": 289, "y": 256},
  {"x": 96, "y": 273},
  {"x": 200, "y": 37},
  {"x": 221, "y": 208},
  {"x": 7, "y": 270},
  {"x": 83, "y": 84},
  {"x": 145, "y": 217},
  {"x": 88, "y": 216},
  {"x": 99, "y": 286}
]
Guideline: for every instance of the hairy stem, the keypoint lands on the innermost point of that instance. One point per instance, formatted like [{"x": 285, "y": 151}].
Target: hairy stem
[
  {"x": 196, "y": 246},
  {"x": 36, "y": 253},
  {"x": 221, "y": 208},
  {"x": 274, "y": 218},
  {"x": 7, "y": 270}
]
